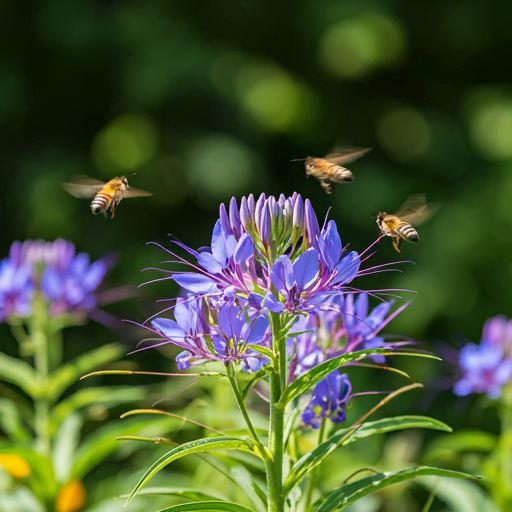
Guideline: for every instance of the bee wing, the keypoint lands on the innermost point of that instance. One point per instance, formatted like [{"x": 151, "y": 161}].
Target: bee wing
[
  {"x": 83, "y": 187},
  {"x": 135, "y": 192},
  {"x": 345, "y": 155},
  {"x": 416, "y": 211}
]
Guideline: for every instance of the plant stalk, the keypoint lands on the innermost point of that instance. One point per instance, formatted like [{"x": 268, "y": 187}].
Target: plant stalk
[{"x": 276, "y": 433}]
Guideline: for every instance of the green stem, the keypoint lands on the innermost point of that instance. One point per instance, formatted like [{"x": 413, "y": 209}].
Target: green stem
[
  {"x": 39, "y": 338},
  {"x": 241, "y": 405},
  {"x": 276, "y": 433}
]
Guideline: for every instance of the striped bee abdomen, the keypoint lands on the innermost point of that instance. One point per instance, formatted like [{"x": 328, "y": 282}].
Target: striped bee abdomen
[
  {"x": 407, "y": 232},
  {"x": 101, "y": 202}
]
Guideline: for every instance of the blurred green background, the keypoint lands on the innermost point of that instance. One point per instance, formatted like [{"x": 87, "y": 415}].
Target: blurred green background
[{"x": 207, "y": 100}]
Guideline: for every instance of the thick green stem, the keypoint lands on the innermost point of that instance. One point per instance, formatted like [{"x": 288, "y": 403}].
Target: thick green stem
[{"x": 276, "y": 434}]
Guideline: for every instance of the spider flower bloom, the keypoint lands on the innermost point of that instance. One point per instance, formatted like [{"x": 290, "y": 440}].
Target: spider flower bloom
[
  {"x": 340, "y": 326},
  {"x": 253, "y": 246},
  {"x": 67, "y": 281},
  {"x": 329, "y": 400},
  {"x": 214, "y": 335},
  {"x": 487, "y": 367}
]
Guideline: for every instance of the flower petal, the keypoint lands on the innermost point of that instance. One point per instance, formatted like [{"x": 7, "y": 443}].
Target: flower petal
[
  {"x": 195, "y": 283},
  {"x": 347, "y": 268},
  {"x": 305, "y": 268}
]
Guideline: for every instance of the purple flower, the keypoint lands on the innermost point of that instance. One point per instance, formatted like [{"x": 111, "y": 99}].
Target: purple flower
[
  {"x": 487, "y": 367},
  {"x": 70, "y": 286},
  {"x": 329, "y": 400},
  {"x": 270, "y": 243},
  {"x": 66, "y": 281},
  {"x": 209, "y": 334},
  {"x": 16, "y": 289}
]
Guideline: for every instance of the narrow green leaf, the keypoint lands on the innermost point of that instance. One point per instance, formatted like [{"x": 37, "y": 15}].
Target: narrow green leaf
[
  {"x": 20, "y": 373},
  {"x": 260, "y": 374},
  {"x": 315, "y": 457},
  {"x": 198, "y": 446},
  {"x": 65, "y": 443},
  {"x": 462, "y": 440},
  {"x": 71, "y": 372},
  {"x": 102, "y": 443},
  {"x": 251, "y": 488},
  {"x": 208, "y": 506},
  {"x": 42, "y": 480},
  {"x": 191, "y": 494},
  {"x": 316, "y": 374},
  {"x": 12, "y": 423},
  {"x": 263, "y": 350},
  {"x": 341, "y": 498}
]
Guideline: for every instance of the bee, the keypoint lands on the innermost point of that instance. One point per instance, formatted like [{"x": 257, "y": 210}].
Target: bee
[
  {"x": 106, "y": 195},
  {"x": 329, "y": 169},
  {"x": 415, "y": 211}
]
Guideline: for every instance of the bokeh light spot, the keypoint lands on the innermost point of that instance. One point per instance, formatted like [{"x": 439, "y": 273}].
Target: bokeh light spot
[
  {"x": 490, "y": 124},
  {"x": 274, "y": 99},
  {"x": 404, "y": 133},
  {"x": 220, "y": 166},
  {"x": 353, "y": 48},
  {"x": 348, "y": 49},
  {"x": 127, "y": 143}
]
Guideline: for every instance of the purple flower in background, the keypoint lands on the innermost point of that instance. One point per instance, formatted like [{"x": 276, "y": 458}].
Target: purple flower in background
[
  {"x": 52, "y": 269},
  {"x": 71, "y": 285},
  {"x": 487, "y": 367},
  {"x": 207, "y": 334},
  {"x": 16, "y": 289},
  {"x": 329, "y": 400}
]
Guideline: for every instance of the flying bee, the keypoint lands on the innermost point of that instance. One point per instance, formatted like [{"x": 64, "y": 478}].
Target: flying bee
[
  {"x": 329, "y": 169},
  {"x": 415, "y": 211},
  {"x": 106, "y": 195}
]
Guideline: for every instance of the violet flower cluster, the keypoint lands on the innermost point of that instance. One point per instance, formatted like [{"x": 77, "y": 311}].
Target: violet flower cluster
[
  {"x": 487, "y": 367},
  {"x": 271, "y": 257},
  {"x": 344, "y": 325},
  {"x": 67, "y": 281}
]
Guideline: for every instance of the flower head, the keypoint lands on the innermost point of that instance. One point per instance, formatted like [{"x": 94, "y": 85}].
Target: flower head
[
  {"x": 273, "y": 253},
  {"x": 214, "y": 334},
  {"x": 65, "y": 280},
  {"x": 487, "y": 367},
  {"x": 329, "y": 400}
]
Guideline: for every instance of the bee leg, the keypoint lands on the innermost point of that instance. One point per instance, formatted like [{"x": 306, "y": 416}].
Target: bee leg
[
  {"x": 396, "y": 243},
  {"x": 326, "y": 186}
]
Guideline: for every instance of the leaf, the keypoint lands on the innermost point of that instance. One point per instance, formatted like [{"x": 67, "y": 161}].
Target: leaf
[
  {"x": 198, "y": 446},
  {"x": 65, "y": 444},
  {"x": 463, "y": 440},
  {"x": 250, "y": 487},
  {"x": 108, "y": 396},
  {"x": 102, "y": 443},
  {"x": 20, "y": 373},
  {"x": 191, "y": 494},
  {"x": 316, "y": 374},
  {"x": 264, "y": 351},
  {"x": 42, "y": 480},
  {"x": 260, "y": 374},
  {"x": 12, "y": 423},
  {"x": 315, "y": 457},
  {"x": 340, "y": 498},
  {"x": 69, "y": 373},
  {"x": 208, "y": 506}
]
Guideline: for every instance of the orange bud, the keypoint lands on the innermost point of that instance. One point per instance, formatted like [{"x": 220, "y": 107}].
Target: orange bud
[
  {"x": 15, "y": 465},
  {"x": 71, "y": 496}
]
